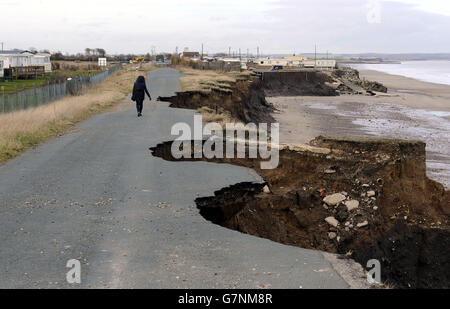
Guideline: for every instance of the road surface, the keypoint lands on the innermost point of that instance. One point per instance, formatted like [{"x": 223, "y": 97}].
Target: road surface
[{"x": 97, "y": 195}]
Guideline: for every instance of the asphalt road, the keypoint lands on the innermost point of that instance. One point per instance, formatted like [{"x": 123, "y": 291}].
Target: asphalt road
[{"x": 98, "y": 195}]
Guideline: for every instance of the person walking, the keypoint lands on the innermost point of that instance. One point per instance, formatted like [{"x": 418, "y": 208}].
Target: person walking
[{"x": 139, "y": 91}]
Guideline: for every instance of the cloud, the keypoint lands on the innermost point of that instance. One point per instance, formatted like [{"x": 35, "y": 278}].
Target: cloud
[{"x": 284, "y": 26}]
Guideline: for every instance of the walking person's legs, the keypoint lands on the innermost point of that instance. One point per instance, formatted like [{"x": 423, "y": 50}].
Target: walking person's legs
[{"x": 139, "y": 104}]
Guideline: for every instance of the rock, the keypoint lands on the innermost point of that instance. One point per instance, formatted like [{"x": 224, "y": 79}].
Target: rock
[
  {"x": 332, "y": 235},
  {"x": 375, "y": 208},
  {"x": 362, "y": 224},
  {"x": 332, "y": 221},
  {"x": 353, "y": 204},
  {"x": 365, "y": 185},
  {"x": 347, "y": 223},
  {"x": 266, "y": 189},
  {"x": 329, "y": 171},
  {"x": 334, "y": 199},
  {"x": 371, "y": 194}
]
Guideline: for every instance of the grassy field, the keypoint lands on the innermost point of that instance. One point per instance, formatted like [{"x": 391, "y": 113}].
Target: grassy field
[
  {"x": 27, "y": 128},
  {"x": 206, "y": 80},
  {"x": 19, "y": 85}
]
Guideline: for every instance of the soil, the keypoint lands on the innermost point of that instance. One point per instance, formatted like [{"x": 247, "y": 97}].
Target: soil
[
  {"x": 407, "y": 209},
  {"x": 401, "y": 218},
  {"x": 245, "y": 102},
  {"x": 297, "y": 84}
]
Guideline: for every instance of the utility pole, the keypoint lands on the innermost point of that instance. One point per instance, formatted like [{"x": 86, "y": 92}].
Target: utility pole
[
  {"x": 2, "y": 46},
  {"x": 229, "y": 51},
  {"x": 240, "y": 58},
  {"x": 315, "y": 56},
  {"x": 248, "y": 54},
  {"x": 257, "y": 52},
  {"x": 202, "y": 52}
]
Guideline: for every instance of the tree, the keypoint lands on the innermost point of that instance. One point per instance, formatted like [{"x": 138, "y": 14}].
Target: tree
[{"x": 88, "y": 51}]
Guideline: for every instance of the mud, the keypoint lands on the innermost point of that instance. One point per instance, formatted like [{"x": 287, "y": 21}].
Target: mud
[{"x": 402, "y": 218}]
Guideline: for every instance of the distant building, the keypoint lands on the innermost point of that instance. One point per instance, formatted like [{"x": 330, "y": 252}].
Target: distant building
[
  {"x": 320, "y": 64},
  {"x": 24, "y": 58},
  {"x": 187, "y": 55}
]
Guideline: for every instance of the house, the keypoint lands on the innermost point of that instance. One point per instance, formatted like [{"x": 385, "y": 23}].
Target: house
[
  {"x": 320, "y": 64},
  {"x": 24, "y": 58},
  {"x": 1, "y": 68},
  {"x": 187, "y": 55},
  {"x": 42, "y": 59}
]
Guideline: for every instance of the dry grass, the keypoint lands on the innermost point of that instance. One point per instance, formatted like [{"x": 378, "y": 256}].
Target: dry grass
[
  {"x": 24, "y": 129},
  {"x": 206, "y": 80},
  {"x": 222, "y": 117}
]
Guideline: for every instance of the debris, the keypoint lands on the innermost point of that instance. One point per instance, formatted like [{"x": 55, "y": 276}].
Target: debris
[
  {"x": 334, "y": 199},
  {"x": 371, "y": 194},
  {"x": 353, "y": 204},
  {"x": 363, "y": 224},
  {"x": 266, "y": 189},
  {"x": 332, "y": 235},
  {"x": 332, "y": 221}
]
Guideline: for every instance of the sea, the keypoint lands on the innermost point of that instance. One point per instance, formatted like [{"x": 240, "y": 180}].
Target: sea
[{"x": 432, "y": 71}]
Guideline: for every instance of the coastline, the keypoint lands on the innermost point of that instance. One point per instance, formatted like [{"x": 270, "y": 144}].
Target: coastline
[{"x": 412, "y": 109}]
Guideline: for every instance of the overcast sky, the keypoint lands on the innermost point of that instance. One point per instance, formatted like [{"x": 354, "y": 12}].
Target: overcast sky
[{"x": 285, "y": 26}]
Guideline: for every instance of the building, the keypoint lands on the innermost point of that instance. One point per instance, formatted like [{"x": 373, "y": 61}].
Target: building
[
  {"x": 320, "y": 64},
  {"x": 187, "y": 55},
  {"x": 295, "y": 61},
  {"x": 24, "y": 58},
  {"x": 42, "y": 59}
]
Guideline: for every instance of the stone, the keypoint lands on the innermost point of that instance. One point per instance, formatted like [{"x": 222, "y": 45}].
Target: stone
[
  {"x": 266, "y": 189},
  {"x": 371, "y": 194},
  {"x": 333, "y": 200},
  {"x": 375, "y": 208},
  {"x": 332, "y": 221},
  {"x": 329, "y": 171},
  {"x": 353, "y": 204},
  {"x": 365, "y": 185},
  {"x": 332, "y": 235},
  {"x": 363, "y": 224}
]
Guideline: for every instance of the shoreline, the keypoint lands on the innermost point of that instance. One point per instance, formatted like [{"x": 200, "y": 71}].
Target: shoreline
[{"x": 412, "y": 109}]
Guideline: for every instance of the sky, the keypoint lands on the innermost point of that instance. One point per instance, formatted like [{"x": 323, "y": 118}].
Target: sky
[{"x": 284, "y": 26}]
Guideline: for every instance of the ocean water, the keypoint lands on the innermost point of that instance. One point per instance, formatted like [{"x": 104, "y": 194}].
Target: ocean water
[{"x": 432, "y": 71}]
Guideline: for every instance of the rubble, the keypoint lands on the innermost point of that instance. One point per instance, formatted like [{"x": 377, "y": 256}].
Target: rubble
[{"x": 335, "y": 199}]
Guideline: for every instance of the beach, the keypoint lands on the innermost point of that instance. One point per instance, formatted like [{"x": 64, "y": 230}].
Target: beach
[{"x": 411, "y": 110}]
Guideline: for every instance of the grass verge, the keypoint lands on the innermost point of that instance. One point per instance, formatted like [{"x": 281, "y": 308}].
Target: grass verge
[{"x": 21, "y": 130}]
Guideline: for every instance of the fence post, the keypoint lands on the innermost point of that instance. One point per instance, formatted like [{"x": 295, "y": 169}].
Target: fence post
[
  {"x": 17, "y": 99},
  {"x": 3, "y": 99}
]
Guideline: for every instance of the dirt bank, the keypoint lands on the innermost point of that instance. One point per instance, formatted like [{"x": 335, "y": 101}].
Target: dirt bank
[
  {"x": 244, "y": 100},
  {"x": 368, "y": 199},
  {"x": 297, "y": 84}
]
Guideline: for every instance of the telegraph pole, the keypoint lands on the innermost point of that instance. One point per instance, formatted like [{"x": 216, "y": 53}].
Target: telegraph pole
[
  {"x": 2, "y": 46},
  {"x": 202, "y": 51},
  {"x": 315, "y": 56}
]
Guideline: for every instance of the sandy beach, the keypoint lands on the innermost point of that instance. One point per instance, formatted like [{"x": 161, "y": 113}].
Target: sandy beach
[{"x": 411, "y": 109}]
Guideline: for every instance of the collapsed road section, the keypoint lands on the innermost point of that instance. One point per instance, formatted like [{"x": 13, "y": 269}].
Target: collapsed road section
[
  {"x": 362, "y": 198},
  {"x": 365, "y": 199}
]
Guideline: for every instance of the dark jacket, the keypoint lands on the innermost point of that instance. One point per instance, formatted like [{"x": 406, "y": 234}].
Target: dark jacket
[{"x": 140, "y": 89}]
